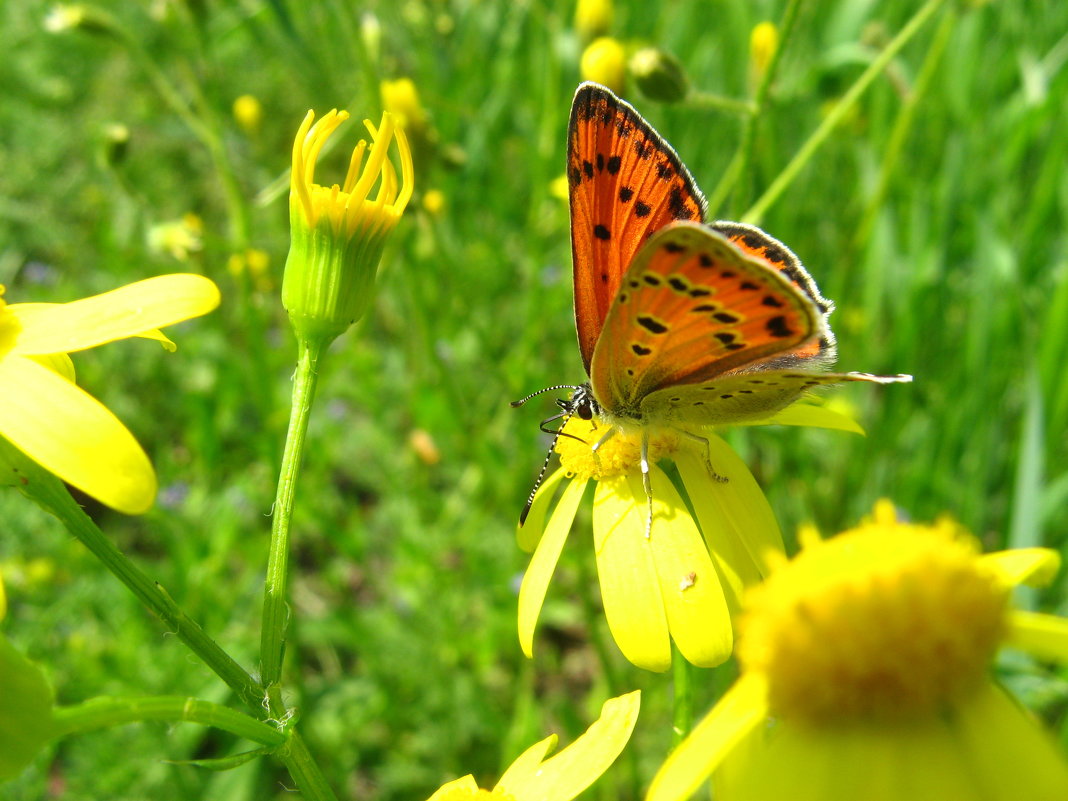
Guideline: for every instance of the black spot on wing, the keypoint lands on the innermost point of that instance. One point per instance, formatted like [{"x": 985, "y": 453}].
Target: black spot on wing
[
  {"x": 601, "y": 232},
  {"x": 639, "y": 350},
  {"x": 625, "y": 194},
  {"x": 642, "y": 209},
  {"x": 778, "y": 327},
  {"x": 613, "y": 165},
  {"x": 652, "y": 325}
]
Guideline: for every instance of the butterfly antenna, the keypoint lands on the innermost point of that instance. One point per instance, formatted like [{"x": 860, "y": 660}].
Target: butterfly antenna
[
  {"x": 517, "y": 403},
  {"x": 545, "y": 464}
]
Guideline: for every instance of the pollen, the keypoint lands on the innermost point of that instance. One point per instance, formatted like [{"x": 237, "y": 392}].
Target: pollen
[
  {"x": 618, "y": 454},
  {"x": 887, "y": 622}
]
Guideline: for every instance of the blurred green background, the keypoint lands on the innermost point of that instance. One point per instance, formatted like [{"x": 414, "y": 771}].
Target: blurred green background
[{"x": 947, "y": 261}]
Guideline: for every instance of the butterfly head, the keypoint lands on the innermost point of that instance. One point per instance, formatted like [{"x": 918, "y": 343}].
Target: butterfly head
[{"x": 581, "y": 404}]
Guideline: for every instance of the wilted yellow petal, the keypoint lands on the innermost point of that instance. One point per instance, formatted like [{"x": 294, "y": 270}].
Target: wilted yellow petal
[
  {"x": 543, "y": 563},
  {"x": 73, "y": 435},
  {"x": 132, "y": 310},
  {"x": 630, "y": 588}
]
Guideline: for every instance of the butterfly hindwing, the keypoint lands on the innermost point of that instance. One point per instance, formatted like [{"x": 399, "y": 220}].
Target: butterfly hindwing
[
  {"x": 691, "y": 308},
  {"x": 625, "y": 182},
  {"x": 742, "y": 397}
]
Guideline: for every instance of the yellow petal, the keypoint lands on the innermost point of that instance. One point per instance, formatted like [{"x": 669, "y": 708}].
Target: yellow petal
[
  {"x": 734, "y": 514},
  {"x": 3, "y": 599},
  {"x": 630, "y": 588},
  {"x": 1034, "y": 566},
  {"x": 526, "y": 766},
  {"x": 129, "y": 311},
  {"x": 805, "y": 414},
  {"x": 1044, "y": 636},
  {"x": 528, "y": 534},
  {"x": 734, "y": 716},
  {"x": 59, "y": 363},
  {"x": 576, "y": 767},
  {"x": 1010, "y": 756},
  {"x": 543, "y": 563},
  {"x": 463, "y": 783},
  {"x": 689, "y": 585},
  {"x": 73, "y": 435}
]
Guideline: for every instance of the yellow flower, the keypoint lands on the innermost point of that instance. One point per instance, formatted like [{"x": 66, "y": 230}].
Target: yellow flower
[
  {"x": 248, "y": 112},
  {"x": 763, "y": 42},
  {"x": 683, "y": 581},
  {"x": 434, "y": 202},
  {"x": 179, "y": 238},
  {"x": 604, "y": 61},
  {"x": 338, "y": 232},
  {"x": 563, "y": 776},
  {"x": 866, "y": 674},
  {"x": 401, "y": 99},
  {"x": 593, "y": 18},
  {"x": 63, "y": 428}
]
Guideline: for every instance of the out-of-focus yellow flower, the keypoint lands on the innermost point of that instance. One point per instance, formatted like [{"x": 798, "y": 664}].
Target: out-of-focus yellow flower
[
  {"x": 179, "y": 238},
  {"x": 337, "y": 233},
  {"x": 593, "y": 18},
  {"x": 401, "y": 99},
  {"x": 248, "y": 113},
  {"x": 604, "y": 61},
  {"x": 562, "y": 776},
  {"x": 763, "y": 42},
  {"x": 49, "y": 419},
  {"x": 871, "y": 654},
  {"x": 434, "y": 202},
  {"x": 424, "y": 446},
  {"x": 254, "y": 264},
  {"x": 559, "y": 188}
]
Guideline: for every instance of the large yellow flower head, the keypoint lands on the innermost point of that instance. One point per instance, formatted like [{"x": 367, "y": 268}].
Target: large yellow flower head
[
  {"x": 870, "y": 654},
  {"x": 562, "y": 776},
  {"x": 338, "y": 232},
  {"x": 44, "y": 414}
]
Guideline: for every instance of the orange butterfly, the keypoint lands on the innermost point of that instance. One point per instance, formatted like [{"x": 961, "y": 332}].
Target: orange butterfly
[{"x": 680, "y": 323}]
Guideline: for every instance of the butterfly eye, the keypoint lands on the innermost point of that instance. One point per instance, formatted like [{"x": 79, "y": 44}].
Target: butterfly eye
[{"x": 584, "y": 411}]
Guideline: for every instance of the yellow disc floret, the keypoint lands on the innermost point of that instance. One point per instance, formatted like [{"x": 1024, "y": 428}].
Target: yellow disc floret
[
  {"x": 617, "y": 455},
  {"x": 885, "y": 622}
]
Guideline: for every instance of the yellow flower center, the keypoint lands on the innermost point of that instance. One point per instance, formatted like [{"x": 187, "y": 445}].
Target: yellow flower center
[
  {"x": 886, "y": 622},
  {"x": 466, "y": 794},
  {"x": 616, "y": 456}
]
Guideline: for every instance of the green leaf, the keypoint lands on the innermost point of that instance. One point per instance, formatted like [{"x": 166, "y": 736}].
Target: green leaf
[{"x": 25, "y": 711}]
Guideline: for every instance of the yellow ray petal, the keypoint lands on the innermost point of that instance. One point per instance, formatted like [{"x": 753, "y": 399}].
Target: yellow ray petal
[
  {"x": 1044, "y": 636},
  {"x": 689, "y": 585},
  {"x": 734, "y": 716},
  {"x": 528, "y": 534},
  {"x": 73, "y": 435},
  {"x": 525, "y": 767},
  {"x": 630, "y": 588},
  {"x": 132, "y": 310},
  {"x": 576, "y": 767},
  {"x": 543, "y": 563},
  {"x": 467, "y": 783},
  {"x": 806, "y": 414},
  {"x": 733, "y": 511},
  {"x": 1034, "y": 566}
]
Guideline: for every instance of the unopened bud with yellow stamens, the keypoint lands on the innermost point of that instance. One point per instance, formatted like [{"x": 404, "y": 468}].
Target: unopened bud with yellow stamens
[
  {"x": 337, "y": 233},
  {"x": 659, "y": 75},
  {"x": 605, "y": 61}
]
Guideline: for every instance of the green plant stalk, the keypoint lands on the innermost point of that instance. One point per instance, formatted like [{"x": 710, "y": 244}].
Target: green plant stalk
[
  {"x": 831, "y": 121},
  {"x": 304, "y": 769},
  {"x": 275, "y": 606},
  {"x": 906, "y": 116},
  {"x": 710, "y": 100},
  {"x": 99, "y": 713},
  {"x": 740, "y": 161},
  {"x": 50, "y": 493},
  {"x": 682, "y": 700}
]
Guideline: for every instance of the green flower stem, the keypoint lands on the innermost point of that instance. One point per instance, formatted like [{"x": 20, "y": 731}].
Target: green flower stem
[
  {"x": 740, "y": 161},
  {"x": 275, "y": 607},
  {"x": 681, "y": 674},
  {"x": 903, "y": 126},
  {"x": 47, "y": 490},
  {"x": 99, "y": 713},
  {"x": 830, "y": 122},
  {"x": 304, "y": 770},
  {"x": 709, "y": 100}
]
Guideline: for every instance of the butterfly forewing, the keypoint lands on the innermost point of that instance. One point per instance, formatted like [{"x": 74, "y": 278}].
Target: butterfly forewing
[
  {"x": 625, "y": 182},
  {"x": 691, "y": 308}
]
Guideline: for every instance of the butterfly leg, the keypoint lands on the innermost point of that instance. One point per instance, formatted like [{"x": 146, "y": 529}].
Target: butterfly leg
[
  {"x": 611, "y": 432},
  {"x": 708, "y": 455},
  {"x": 647, "y": 483}
]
